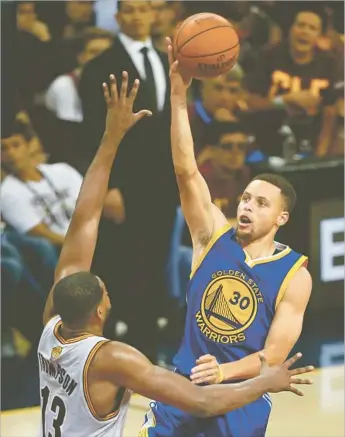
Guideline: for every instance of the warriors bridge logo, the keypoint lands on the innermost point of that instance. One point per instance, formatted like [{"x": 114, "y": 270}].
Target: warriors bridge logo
[{"x": 228, "y": 307}]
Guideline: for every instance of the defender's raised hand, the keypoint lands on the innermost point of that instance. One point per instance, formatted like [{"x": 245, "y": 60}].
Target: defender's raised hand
[
  {"x": 120, "y": 116},
  {"x": 281, "y": 377}
]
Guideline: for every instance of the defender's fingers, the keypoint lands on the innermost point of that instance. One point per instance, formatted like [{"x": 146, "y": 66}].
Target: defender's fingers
[
  {"x": 292, "y": 360},
  {"x": 295, "y": 390},
  {"x": 301, "y": 381},
  {"x": 124, "y": 85},
  {"x": 106, "y": 94},
  {"x": 113, "y": 88},
  {"x": 300, "y": 370},
  {"x": 134, "y": 91},
  {"x": 141, "y": 114}
]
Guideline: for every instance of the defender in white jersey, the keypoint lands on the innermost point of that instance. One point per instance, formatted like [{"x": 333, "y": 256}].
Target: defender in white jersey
[
  {"x": 63, "y": 382},
  {"x": 85, "y": 379}
]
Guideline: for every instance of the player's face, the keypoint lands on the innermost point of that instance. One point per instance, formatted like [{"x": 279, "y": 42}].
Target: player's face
[
  {"x": 135, "y": 19},
  {"x": 15, "y": 153},
  {"x": 305, "y": 31},
  {"x": 260, "y": 211}
]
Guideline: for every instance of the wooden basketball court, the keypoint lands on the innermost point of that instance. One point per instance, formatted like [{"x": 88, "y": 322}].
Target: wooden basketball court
[{"x": 319, "y": 413}]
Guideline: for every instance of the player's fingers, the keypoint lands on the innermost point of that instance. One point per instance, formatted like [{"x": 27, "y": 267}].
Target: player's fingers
[
  {"x": 113, "y": 88},
  {"x": 170, "y": 51},
  {"x": 124, "y": 86},
  {"x": 262, "y": 358},
  {"x": 204, "y": 374},
  {"x": 204, "y": 367},
  {"x": 134, "y": 91},
  {"x": 205, "y": 380},
  {"x": 295, "y": 390},
  {"x": 174, "y": 67},
  {"x": 290, "y": 362},
  {"x": 301, "y": 381},
  {"x": 205, "y": 359},
  {"x": 301, "y": 370},
  {"x": 106, "y": 94}
]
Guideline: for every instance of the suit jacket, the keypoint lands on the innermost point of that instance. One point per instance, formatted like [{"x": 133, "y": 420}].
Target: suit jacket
[
  {"x": 115, "y": 60},
  {"x": 143, "y": 168}
]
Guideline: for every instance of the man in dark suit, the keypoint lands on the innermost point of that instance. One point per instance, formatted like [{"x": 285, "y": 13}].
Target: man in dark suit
[{"x": 143, "y": 174}]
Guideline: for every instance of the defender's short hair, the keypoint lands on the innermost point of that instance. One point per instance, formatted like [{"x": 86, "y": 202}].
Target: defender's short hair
[
  {"x": 76, "y": 296},
  {"x": 287, "y": 190}
]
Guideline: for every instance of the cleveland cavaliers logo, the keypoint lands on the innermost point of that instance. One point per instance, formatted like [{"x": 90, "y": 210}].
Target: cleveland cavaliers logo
[{"x": 228, "y": 307}]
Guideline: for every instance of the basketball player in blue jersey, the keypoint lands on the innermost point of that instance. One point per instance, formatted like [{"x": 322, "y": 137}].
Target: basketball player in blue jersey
[{"x": 247, "y": 293}]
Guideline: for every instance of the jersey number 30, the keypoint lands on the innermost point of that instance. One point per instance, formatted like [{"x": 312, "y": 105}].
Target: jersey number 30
[{"x": 57, "y": 407}]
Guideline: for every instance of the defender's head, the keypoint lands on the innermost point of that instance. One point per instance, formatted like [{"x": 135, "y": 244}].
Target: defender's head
[
  {"x": 81, "y": 299},
  {"x": 265, "y": 206}
]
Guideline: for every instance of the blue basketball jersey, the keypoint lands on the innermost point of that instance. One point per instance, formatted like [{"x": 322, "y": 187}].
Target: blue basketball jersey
[{"x": 232, "y": 300}]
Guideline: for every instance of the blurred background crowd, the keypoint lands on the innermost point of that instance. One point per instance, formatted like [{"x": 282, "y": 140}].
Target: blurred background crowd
[{"x": 281, "y": 108}]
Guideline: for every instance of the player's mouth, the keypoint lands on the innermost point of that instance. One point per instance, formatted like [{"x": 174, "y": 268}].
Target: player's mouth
[{"x": 244, "y": 221}]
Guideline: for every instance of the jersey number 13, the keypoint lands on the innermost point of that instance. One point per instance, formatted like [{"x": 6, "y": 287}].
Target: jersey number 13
[{"x": 58, "y": 408}]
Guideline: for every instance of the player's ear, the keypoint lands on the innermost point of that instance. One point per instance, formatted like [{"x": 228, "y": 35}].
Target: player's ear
[
  {"x": 283, "y": 218},
  {"x": 100, "y": 312}
]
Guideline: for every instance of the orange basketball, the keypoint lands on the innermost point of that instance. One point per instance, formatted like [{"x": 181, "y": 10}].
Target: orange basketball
[{"x": 206, "y": 45}]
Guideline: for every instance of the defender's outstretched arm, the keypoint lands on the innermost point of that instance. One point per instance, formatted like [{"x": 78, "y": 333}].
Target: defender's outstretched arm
[{"x": 80, "y": 242}]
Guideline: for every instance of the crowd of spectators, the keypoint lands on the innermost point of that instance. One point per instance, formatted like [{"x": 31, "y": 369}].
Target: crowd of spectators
[{"x": 284, "y": 98}]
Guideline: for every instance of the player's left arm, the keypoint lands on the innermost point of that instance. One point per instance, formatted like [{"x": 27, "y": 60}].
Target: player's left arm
[
  {"x": 283, "y": 334},
  {"x": 80, "y": 241}
]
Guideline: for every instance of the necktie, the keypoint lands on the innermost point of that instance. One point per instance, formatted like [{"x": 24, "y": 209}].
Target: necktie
[{"x": 150, "y": 81}]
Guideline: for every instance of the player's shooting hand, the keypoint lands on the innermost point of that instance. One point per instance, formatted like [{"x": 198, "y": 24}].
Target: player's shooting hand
[
  {"x": 120, "y": 116},
  {"x": 179, "y": 78},
  {"x": 281, "y": 377},
  {"x": 206, "y": 371}
]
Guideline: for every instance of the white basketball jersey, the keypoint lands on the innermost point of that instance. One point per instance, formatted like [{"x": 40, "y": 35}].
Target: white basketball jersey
[{"x": 66, "y": 406}]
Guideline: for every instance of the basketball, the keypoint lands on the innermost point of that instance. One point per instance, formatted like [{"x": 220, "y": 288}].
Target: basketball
[{"x": 206, "y": 45}]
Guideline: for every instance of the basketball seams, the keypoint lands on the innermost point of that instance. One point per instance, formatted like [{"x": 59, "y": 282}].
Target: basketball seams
[
  {"x": 211, "y": 54},
  {"x": 183, "y": 25},
  {"x": 200, "y": 33}
]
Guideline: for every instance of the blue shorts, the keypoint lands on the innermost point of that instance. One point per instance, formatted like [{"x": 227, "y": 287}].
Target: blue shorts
[{"x": 162, "y": 420}]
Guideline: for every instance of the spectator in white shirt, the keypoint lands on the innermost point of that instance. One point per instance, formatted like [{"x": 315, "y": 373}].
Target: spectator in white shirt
[
  {"x": 62, "y": 96},
  {"x": 36, "y": 199}
]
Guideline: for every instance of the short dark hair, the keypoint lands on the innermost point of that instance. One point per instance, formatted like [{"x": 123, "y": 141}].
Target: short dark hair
[
  {"x": 76, "y": 296},
  {"x": 18, "y": 128},
  {"x": 287, "y": 190}
]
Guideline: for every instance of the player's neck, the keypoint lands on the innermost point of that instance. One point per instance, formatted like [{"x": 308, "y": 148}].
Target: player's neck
[
  {"x": 261, "y": 248},
  {"x": 69, "y": 332}
]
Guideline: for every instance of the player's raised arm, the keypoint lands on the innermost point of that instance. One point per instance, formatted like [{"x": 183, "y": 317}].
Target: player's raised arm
[
  {"x": 127, "y": 367},
  {"x": 79, "y": 245},
  {"x": 201, "y": 215}
]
